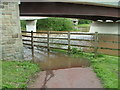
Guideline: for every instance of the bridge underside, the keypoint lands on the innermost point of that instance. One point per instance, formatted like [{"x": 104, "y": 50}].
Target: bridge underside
[{"x": 69, "y": 10}]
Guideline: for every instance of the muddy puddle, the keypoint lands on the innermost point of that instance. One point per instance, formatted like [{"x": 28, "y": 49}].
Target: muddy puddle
[{"x": 54, "y": 61}]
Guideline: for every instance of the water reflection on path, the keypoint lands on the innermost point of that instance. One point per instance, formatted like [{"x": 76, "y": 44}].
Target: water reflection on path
[{"x": 53, "y": 61}]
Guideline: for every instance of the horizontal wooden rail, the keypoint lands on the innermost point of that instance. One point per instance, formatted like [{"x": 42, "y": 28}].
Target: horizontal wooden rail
[
  {"x": 59, "y": 38},
  {"x": 108, "y": 48},
  {"x": 59, "y": 43},
  {"x": 40, "y": 37},
  {"x": 44, "y": 32},
  {"x": 40, "y": 32},
  {"x": 109, "y": 41},
  {"x": 58, "y": 48},
  {"x": 39, "y": 42},
  {"x": 26, "y": 32},
  {"x": 40, "y": 46},
  {"x": 82, "y": 33},
  {"x": 64, "y": 32},
  {"x": 26, "y": 40},
  {"x": 27, "y": 44},
  {"x": 81, "y": 40},
  {"x": 109, "y": 34},
  {"x": 58, "y": 33},
  {"x": 82, "y": 46},
  {"x": 26, "y": 36}
]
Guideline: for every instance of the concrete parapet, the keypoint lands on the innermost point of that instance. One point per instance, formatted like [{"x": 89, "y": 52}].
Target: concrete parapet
[{"x": 105, "y": 27}]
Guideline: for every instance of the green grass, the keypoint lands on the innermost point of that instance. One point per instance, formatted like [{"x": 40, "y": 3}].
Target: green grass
[
  {"x": 83, "y": 25},
  {"x": 16, "y": 74},
  {"x": 59, "y": 51},
  {"x": 0, "y": 74},
  {"x": 105, "y": 66}
]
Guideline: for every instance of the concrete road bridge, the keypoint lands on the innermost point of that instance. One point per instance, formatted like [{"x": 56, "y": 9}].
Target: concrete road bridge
[
  {"x": 10, "y": 33},
  {"x": 81, "y": 9}
]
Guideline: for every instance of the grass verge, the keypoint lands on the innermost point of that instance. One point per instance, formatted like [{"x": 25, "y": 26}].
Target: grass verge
[
  {"x": 16, "y": 74},
  {"x": 0, "y": 74},
  {"x": 105, "y": 66}
]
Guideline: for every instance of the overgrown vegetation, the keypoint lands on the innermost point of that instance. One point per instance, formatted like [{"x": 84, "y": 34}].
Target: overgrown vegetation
[
  {"x": 83, "y": 21},
  {"x": 105, "y": 66},
  {"x": 23, "y": 25},
  {"x": 55, "y": 24},
  {"x": 16, "y": 74}
]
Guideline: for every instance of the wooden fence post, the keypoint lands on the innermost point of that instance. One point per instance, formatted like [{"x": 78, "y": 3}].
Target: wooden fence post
[
  {"x": 96, "y": 44},
  {"x": 48, "y": 36},
  {"x": 32, "y": 45},
  {"x": 69, "y": 42}
]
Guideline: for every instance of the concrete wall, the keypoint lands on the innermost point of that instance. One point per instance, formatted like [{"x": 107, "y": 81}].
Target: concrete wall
[
  {"x": 11, "y": 47},
  {"x": 105, "y": 27}
]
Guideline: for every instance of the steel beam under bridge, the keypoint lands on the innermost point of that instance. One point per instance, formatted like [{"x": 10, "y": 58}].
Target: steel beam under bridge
[{"x": 71, "y": 10}]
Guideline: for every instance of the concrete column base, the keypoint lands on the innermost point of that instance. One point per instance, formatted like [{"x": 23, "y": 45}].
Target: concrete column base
[
  {"x": 105, "y": 27},
  {"x": 31, "y": 25}
]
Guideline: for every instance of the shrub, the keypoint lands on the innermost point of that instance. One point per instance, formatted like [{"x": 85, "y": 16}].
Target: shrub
[
  {"x": 76, "y": 51},
  {"x": 23, "y": 25},
  {"x": 82, "y": 21},
  {"x": 55, "y": 24}
]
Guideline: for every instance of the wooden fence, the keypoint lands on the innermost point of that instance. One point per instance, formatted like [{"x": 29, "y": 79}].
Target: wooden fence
[{"x": 99, "y": 43}]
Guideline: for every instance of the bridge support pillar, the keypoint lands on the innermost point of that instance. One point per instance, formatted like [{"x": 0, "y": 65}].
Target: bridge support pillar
[
  {"x": 11, "y": 47},
  {"x": 31, "y": 25},
  {"x": 105, "y": 27}
]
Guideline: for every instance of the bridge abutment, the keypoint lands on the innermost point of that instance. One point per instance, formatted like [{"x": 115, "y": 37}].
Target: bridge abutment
[
  {"x": 31, "y": 25},
  {"x": 11, "y": 47},
  {"x": 105, "y": 27}
]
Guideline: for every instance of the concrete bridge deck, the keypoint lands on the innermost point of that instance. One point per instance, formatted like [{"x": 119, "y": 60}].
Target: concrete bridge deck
[{"x": 72, "y": 10}]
